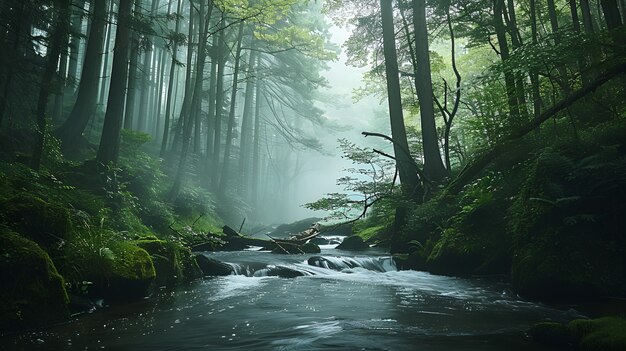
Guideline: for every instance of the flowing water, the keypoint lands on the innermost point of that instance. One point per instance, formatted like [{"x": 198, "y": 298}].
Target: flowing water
[{"x": 347, "y": 302}]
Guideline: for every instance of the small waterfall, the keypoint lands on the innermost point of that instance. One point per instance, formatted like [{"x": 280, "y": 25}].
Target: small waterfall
[{"x": 377, "y": 264}]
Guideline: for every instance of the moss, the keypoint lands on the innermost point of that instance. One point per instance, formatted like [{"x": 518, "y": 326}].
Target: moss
[
  {"x": 127, "y": 274},
  {"x": 603, "y": 334},
  {"x": 33, "y": 293},
  {"x": 370, "y": 232},
  {"x": 173, "y": 263},
  {"x": 46, "y": 223}
]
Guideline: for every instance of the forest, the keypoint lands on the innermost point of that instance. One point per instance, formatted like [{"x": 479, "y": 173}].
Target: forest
[{"x": 153, "y": 153}]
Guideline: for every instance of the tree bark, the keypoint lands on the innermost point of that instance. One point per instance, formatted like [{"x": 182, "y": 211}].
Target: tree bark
[
  {"x": 75, "y": 41},
  {"x": 105, "y": 65},
  {"x": 170, "y": 85},
  {"x": 211, "y": 101},
  {"x": 433, "y": 166},
  {"x": 404, "y": 162},
  {"x": 231, "y": 117},
  {"x": 509, "y": 79},
  {"x": 71, "y": 131},
  {"x": 246, "y": 127},
  {"x": 54, "y": 51},
  {"x": 256, "y": 143},
  {"x": 219, "y": 101},
  {"x": 131, "y": 89},
  {"x": 585, "y": 10},
  {"x": 110, "y": 140},
  {"x": 188, "y": 117}
]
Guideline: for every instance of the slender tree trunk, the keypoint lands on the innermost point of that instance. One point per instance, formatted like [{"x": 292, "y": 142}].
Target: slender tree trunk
[
  {"x": 256, "y": 143},
  {"x": 585, "y": 10},
  {"x": 231, "y": 117},
  {"x": 516, "y": 41},
  {"x": 75, "y": 41},
  {"x": 57, "y": 109},
  {"x": 189, "y": 81},
  {"x": 131, "y": 88},
  {"x": 110, "y": 140},
  {"x": 509, "y": 79},
  {"x": 219, "y": 101},
  {"x": 161, "y": 88},
  {"x": 15, "y": 56},
  {"x": 433, "y": 166},
  {"x": 534, "y": 76},
  {"x": 54, "y": 51},
  {"x": 187, "y": 116},
  {"x": 246, "y": 127},
  {"x": 71, "y": 131},
  {"x": 107, "y": 48},
  {"x": 170, "y": 88},
  {"x": 146, "y": 79},
  {"x": 211, "y": 102}
]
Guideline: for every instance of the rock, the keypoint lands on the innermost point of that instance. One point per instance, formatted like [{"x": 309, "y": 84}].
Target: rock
[
  {"x": 353, "y": 243},
  {"x": 414, "y": 261},
  {"x": 211, "y": 267},
  {"x": 286, "y": 248},
  {"x": 33, "y": 293},
  {"x": 311, "y": 248},
  {"x": 124, "y": 273},
  {"x": 172, "y": 262},
  {"x": 319, "y": 241},
  {"x": 606, "y": 334},
  {"x": 336, "y": 264},
  {"x": 283, "y": 272}
]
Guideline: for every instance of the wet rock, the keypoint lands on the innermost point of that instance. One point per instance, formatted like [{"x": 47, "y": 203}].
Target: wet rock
[
  {"x": 319, "y": 241},
  {"x": 311, "y": 248},
  {"x": 336, "y": 265},
  {"x": 285, "y": 230},
  {"x": 283, "y": 272},
  {"x": 211, "y": 267},
  {"x": 33, "y": 293},
  {"x": 172, "y": 262},
  {"x": 353, "y": 243}
]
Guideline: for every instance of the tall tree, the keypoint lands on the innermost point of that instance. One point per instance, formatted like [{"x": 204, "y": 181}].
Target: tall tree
[
  {"x": 433, "y": 166},
  {"x": 54, "y": 52},
  {"x": 108, "y": 150},
  {"x": 131, "y": 84},
  {"x": 71, "y": 131}
]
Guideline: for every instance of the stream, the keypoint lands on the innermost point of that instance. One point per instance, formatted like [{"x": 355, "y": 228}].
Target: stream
[{"x": 362, "y": 303}]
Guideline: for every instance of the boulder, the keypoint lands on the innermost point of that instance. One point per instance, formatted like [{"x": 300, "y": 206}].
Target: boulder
[
  {"x": 319, "y": 241},
  {"x": 123, "y": 272},
  {"x": 353, "y": 243},
  {"x": 283, "y": 272},
  {"x": 172, "y": 262},
  {"x": 211, "y": 267},
  {"x": 311, "y": 248},
  {"x": 33, "y": 293},
  {"x": 285, "y": 230}
]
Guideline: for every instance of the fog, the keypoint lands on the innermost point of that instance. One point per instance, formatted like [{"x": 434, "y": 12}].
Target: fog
[{"x": 321, "y": 170}]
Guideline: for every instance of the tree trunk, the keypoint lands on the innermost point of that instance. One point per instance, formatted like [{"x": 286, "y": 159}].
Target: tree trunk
[
  {"x": 219, "y": 101},
  {"x": 71, "y": 131},
  {"x": 54, "y": 51},
  {"x": 131, "y": 89},
  {"x": 433, "y": 166},
  {"x": 57, "y": 109},
  {"x": 211, "y": 101},
  {"x": 231, "y": 117},
  {"x": 187, "y": 117},
  {"x": 110, "y": 139},
  {"x": 246, "y": 127},
  {"x": 107, "y": 47},
  {"x": 75, "y": 34},
  {"x": 15, "y": 55},
  {"x": 534, "y": 76},
  {"x": 170, "y": 85},
  {"x": 189, "y": 82},
  {"x": 611, "y": 14},
  {"x": 256, "y": 142},
  {"x": 585, "y": 10},
  {"x": 509, "y": 79},
  {"x": 146, "y": 80},
  {"x": 404, "y": 161}
]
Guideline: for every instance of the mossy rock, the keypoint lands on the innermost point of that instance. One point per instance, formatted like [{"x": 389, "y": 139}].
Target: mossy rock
[
  {"x": 33, "y": 293},
  {"x": 127, "y": 273},
  {"x": 44, "y": 222},
  {"x": 173, "y": 263},
  {"x": 353, "y": 243},
  {"x": 603, "y": 334},
  {"x": 413, "y": 261}
]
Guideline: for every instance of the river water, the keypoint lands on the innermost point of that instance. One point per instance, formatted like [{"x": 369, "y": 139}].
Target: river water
[{"x": 370, "y": 306}]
